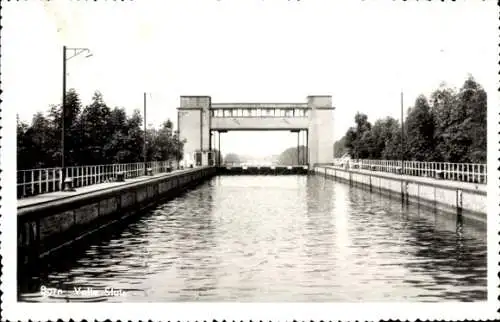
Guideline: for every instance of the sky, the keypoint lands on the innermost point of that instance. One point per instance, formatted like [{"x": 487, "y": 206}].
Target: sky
[{"x": 363, "y": 53}]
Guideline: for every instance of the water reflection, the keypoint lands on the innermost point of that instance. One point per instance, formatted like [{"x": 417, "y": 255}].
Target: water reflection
[{"x": 278, "y": 238}]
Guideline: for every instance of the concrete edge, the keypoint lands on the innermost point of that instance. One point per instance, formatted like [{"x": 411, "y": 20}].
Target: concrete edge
[{"x": 98, "y": 194}]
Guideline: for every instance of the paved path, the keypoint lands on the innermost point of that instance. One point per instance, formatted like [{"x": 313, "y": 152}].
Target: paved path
[
  {"x": 58, "y": 195},
  {"x": 425, "y": 180}
]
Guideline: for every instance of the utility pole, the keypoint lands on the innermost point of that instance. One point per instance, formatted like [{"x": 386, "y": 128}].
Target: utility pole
[
  {"x": 144, "y": 151},
  {"x": 75, "y": 52},
  {"x": 402, "y": 137},
  {"x": 63, "y": 116}
]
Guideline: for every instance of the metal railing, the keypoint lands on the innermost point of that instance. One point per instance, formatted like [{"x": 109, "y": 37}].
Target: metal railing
[
  {"x": 467, "y": 172},
  {"x": 38, "y": 181}
]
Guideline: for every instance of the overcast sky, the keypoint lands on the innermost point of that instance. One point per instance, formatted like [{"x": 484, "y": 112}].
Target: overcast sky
[{"x": 360, "y": 52}]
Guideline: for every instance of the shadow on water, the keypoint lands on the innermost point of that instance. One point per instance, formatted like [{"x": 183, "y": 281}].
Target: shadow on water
[
  {"x": 100, "y": 253},
  {"x": 437, "y": 244}
]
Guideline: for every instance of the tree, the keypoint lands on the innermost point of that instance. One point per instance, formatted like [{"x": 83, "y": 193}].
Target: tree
[
  {"x": 24, "y": 159},
  {"x": 289, "y": 156},
  {"x": 382, "y": 133},
  {"x": 135, "y": 137},
  {"x": 36, "y": 138},
  {"x": 72, "y": 142},
  {"x": 451, "y": 128},
  {"x": 420, "y": 132},
  {"x": 94, "y": 135},
  {"x": 115, "y": 148},
  {"x": 357, "y": 140},
  {"x": 165, "y": 144},
  {"x": 95, "y": 131},
  {"x": 392, "y": 150},
  {"x": 444, "y": 101},
  {"x": 473, "y": 100},
  {"x": 460, "y": 122}
]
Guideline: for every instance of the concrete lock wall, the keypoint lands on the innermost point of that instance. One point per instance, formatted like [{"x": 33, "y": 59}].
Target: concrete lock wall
[
  {"x": 48, "y": 227},
  {"x": 444, "y": 196}
]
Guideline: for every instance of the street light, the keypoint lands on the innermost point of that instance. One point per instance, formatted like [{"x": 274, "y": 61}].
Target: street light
[{"x": 75, "y": 52}]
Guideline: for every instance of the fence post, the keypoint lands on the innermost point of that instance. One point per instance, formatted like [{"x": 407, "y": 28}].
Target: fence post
[{"x": 46, "y": 180}]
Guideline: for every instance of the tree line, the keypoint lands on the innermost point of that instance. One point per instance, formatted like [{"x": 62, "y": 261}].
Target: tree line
[
  {"x": 95, "y": 134},
  {"x": 449, "y": 126},
  {"x": 290, "y": 157}
]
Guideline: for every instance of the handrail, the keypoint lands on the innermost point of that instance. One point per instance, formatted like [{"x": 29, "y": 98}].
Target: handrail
[
  {"x": 467, "y": 172},
  {"x": 258, "y": 105},
  {"x": 32, "y": 182}
]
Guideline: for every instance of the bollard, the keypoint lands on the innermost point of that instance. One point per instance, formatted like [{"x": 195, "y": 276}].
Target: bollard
[
  {"x": 149, "y": 172},
  {"x": 68, "y": 184},
  {"x": 439, "y": 174},
  {"x": 120, "y": 176}
]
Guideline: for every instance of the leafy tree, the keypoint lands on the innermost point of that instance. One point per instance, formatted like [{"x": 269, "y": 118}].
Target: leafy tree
[
  {"x": 382, "y": 133},
  {"x": 472, "y": 99},
  {"x": 135, "y": 138},
  {"x": 443, "y": 101},
  {"x": 289, "y": 156},
  {"x": 72, "y": 142},
  {"x": 460, "y": 122},
  {"x": 94, "y": 135},
  {"x": 23, "y": 145},
  {"x": 357, "y": 139},
  {"x": 392, "y": 150},
  {"x": 36, "y": 138},
  {"x": 115, "y": 148},
  {"x": 94, "y": 121},
  {"x": 451, "y": 128},
  {"x": 164, "y": 143},
  {"x": 420, "y": 132}
]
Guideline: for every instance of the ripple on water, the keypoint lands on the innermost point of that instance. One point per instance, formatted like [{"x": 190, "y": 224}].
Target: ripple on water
[{"x": 279, "y": 238}]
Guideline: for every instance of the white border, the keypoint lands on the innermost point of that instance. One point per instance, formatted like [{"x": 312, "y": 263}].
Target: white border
[{"x": 12, "y": 310}]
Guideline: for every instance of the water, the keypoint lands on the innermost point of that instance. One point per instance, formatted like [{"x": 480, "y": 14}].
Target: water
[{"x": 277, "y": 238}]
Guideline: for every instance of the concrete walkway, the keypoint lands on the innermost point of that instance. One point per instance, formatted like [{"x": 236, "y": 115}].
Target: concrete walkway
[
  {"x": 424, "y": 180},
  {"x": 58, "y": 195}
]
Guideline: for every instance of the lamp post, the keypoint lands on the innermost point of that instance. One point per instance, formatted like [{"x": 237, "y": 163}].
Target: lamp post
[
  {"x": 144, "y": 148},
  {"x": 75, "y": 52}
]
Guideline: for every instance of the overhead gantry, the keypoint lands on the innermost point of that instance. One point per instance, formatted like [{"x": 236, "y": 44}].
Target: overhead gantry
[{"x": 199, "y": 119}]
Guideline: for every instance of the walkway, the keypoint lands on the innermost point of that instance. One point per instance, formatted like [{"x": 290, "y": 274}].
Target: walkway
[
  {"x": 424, "y": 180},
  {"x": 58, "y": 195}
]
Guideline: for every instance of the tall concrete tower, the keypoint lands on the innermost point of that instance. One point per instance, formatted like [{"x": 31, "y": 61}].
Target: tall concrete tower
[
  {"x": 194, "y": 127},
  {"x": 320, "y": 138}
]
